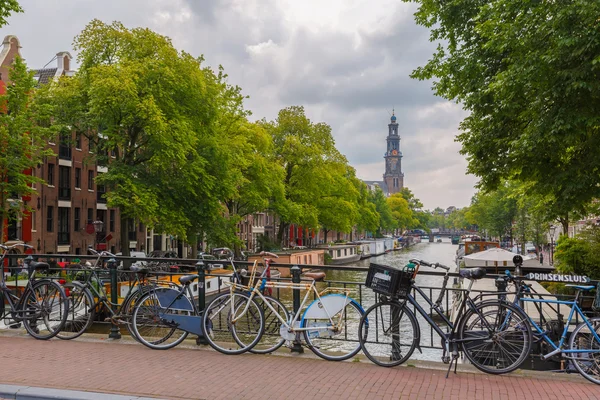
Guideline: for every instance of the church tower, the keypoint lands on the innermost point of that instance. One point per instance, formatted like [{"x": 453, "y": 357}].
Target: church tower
[{"x": 393, "y": 176}]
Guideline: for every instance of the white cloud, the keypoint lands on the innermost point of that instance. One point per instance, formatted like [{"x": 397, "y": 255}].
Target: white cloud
[{"x": 346, "y": 61}]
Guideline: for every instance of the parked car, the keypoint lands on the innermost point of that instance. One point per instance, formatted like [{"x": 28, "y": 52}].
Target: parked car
[
  {"x": 136, "y": 254},
  {"x": 223, "y": 253},
  {"x": 207, "y": 258}
]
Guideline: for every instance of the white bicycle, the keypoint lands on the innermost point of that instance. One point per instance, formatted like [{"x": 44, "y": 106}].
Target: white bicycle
[{"x": 234, "y": 322}]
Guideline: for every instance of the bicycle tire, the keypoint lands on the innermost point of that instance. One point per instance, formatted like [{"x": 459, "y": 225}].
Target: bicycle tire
[
  {"x": 127, "y": 309},
  {"x": 377, "y": 325},
  {"x": 150, "y": 329},
  {"x": 271, "y": 339},
  {"x": 327, "y": 343},
  {"x": 44, "y": 309},
  {"x": 587, "y": 364},
  {"x": 501, "y": 350},
  {"x": 228, "y": 338},
  {"x": 82, "y": 311}
]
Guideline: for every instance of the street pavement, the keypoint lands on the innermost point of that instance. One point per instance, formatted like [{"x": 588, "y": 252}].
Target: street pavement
[{"x": 95, "y": 364}]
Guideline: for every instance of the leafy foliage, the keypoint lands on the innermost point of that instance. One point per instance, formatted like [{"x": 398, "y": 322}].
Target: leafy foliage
[
  {"x": 580, "y": 255},
  {"x": 24, "y": 130},
  {"x": 8, "y": 7},
  {"x": 529, "y": 74}
]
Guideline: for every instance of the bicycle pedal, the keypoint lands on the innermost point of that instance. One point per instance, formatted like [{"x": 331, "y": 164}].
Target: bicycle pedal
[{"x": 446, "y": 360}]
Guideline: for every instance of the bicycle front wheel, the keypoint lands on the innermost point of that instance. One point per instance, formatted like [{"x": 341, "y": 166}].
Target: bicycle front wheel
[
  {"x": 585, "y": 338},
  {"x": 331, "y": 327},
  {"x": 496, "y": 337},
  {"x": 271, "y": 338},
  {"x": 388, "y": 333},
  {"x": 81, "y": 311},
  {"x": 44, "y": 309},
  {"x": 233, "y": 329},
  {"x": 150, "y": 325}
]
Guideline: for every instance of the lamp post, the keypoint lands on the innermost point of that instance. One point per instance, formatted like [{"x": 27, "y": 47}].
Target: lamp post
[
  {"x": 552, "y": 230},
  {"x": 98, "y": 226}
]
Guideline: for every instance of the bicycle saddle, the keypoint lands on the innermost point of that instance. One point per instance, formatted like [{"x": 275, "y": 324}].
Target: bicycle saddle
[
  {"x": 582, "y": 287},
  {"x": 35, "y": 265},
  {"x": 187, "y": 279},
  {"x": 137, "y": 268},
  {"x": 472, "y": 273}
]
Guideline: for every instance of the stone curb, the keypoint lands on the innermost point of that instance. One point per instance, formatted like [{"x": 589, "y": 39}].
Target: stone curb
[{"x": 38, "y": 393}]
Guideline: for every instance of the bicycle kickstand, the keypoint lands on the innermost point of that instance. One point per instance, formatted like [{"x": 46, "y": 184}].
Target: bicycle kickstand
[{"x": 455, "y": 361}]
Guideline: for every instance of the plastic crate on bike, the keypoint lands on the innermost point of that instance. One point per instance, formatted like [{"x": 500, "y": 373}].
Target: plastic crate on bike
[{"x": 389, "y": 281}]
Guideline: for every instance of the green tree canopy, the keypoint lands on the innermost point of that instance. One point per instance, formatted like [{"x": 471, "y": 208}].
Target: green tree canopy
[
  {"x": 529, "y": 74},
  {"x": 147, "y": 108},
  {"x": 24, "y": 135}
]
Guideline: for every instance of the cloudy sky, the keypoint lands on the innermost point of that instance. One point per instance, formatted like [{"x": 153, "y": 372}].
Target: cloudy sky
[{"x": 346, "y": 61}]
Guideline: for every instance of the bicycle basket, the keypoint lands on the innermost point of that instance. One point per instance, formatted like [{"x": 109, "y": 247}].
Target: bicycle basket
[{"x": 389, "y": 281}]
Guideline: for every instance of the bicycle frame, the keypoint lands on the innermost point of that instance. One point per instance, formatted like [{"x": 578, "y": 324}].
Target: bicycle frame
[
  {"x": 290, "y": 325},
  {"x": 574, "y": 309}
]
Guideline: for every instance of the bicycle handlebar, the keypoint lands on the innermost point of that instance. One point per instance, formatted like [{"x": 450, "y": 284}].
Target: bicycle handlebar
[
  {"x": 101, "y": 253},
  {"x": 433, "y": 265},
  {"x": 25, "y": 245},
  {"x": 268, "y": 254}
]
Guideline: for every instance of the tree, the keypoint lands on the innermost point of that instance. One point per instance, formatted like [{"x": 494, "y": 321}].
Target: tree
[
  {"x": 24, "y": 134},
  {"x": 529, "y": 74},
  {"x": 147, "y": 108},
  {"x": 7, "y": 7},
  {"x": 401, "y": 212},
  {"x": 368, "y": 218},
  {"x": 315, "y": 173},
  {"x": 386, "y": 219},
  {"x": 579, "y": 255}
]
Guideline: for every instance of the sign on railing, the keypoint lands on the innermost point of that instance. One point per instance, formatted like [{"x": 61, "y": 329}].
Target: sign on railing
[{"x": 558, "y": 278}]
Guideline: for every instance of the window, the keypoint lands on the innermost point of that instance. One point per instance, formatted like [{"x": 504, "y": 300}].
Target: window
[
  {"x": 112, "y": 220},
  {"x": 78, "y": 140},
  {"x": 77, "y": 219},
  {"x": 63, "y": 225},
  {"x": 90, "y": 216},
  {"x": 91, "y": 179},
  {"x": 78, "y": 178},
  {"x": 50, "y": 174},
  {"x": 33, "y": 172},
  {"x": 90, "y": 145},
  {"x": 64, "y": 183},
  {"x": 33, "y": 221},
  {"x": 50, "y": 219}
]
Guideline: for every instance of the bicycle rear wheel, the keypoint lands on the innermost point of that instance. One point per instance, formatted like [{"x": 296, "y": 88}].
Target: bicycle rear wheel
[
  {"x": 336, "y": 342},
  {"x": 583, "y": 338},
  {"x": 149, "y": 325},
  {"x": 496, "y": 337},
  {"x": 388, "y": 333},
  {"x": 230, "y": 337},
  {"x": 81, "y": 311},
  {"x": 271, "y": 338},
  {"x": 44, "y": 309}
]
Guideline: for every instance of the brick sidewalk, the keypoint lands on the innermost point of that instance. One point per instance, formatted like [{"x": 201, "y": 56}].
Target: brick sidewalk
[{"x": 189, "y": 373}]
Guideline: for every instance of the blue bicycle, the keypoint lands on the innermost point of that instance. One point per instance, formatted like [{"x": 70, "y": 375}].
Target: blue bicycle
[{"x": 581, "y": 347}]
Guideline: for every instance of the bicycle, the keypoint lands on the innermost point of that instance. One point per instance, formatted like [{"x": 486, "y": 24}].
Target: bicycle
[
  {"x": 389, "y": 331},
  {"x": 160, "y": 313},
  {"x": 240, "y": 321},
  {"x": 88, "y": 296},
  {"x": 583, "y": 348},
  {"x": 43, "y": 306}
]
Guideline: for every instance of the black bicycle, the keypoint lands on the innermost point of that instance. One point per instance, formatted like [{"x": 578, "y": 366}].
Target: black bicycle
[
  {"x": 42, "y": 306},
  {"x": 389, "y": 331}
]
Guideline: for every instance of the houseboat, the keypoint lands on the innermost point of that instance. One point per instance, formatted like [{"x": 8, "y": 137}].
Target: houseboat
[
  {"x": 472, "y": 246},
  {"x": 343, "y": 254}
]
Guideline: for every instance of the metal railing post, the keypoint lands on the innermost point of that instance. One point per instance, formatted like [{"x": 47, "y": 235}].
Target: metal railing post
[
  {"x": 201, "y": 268},
  {"x": 115, "y": 333},
  {"x": 296, "y": 271}
]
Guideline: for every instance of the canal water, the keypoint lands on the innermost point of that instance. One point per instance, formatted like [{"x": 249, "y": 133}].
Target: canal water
[{"x": 443, "y": 253}]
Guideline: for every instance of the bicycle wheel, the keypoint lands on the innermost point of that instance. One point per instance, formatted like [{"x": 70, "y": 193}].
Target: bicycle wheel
[
  {"x": 44, "y": 309},
  {"x": 81, "y": 311},
  {"x": 271, "y": 338},
  {"x": 340, "y": 340},
  {"x": 230, "y": 337},
  {"x": 496, "y": 337},
  {"x": 389, "y": 333},
  {"x": 583, "y": 338},
  {"x": 128, "y": 307},
  {"x": 150, "y": 326}
]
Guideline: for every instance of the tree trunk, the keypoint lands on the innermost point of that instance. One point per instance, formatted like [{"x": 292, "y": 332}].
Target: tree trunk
[
  {"x": 195, "y": 249},
  {"x": 124, "y": 234},
  {"x": 281, "y": 233}
]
